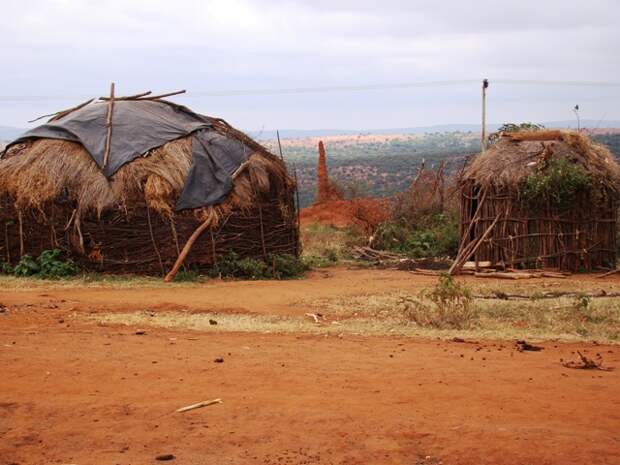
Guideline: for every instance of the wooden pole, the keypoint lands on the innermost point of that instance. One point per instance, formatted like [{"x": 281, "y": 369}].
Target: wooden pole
[
  {"x": 186, "y": 249},
  {"x": 483, "y": 141},
  {"x": 108, "y": 141},
  {"x": 262, "y": 230},
  {"x": 279, "y": 145}
]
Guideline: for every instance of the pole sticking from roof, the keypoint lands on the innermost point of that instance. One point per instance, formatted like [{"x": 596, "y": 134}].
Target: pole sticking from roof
[{"x": 108, "y": 141}]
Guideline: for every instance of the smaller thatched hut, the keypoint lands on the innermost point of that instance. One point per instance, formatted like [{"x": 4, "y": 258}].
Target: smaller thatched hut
[
  {"x": 541, "y": 199},
  {"x": 122, "y": 188}
]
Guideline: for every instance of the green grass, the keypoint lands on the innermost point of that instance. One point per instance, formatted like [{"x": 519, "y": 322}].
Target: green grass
[{"x": 95, "y": 281}]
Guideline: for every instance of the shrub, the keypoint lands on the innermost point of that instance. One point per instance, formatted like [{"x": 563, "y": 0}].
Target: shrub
[
  {"x": 48, "y": 265},
  {"x": 272, "y": 267},
  {"x": 26, "y": 266},
  {"x": 434, "y": 236},
  {"x": 52, "y": 267},
  {"x": 6, "y": 268},
  {"x": 556, "y": 185},
  {"x": 451, "y": 306}
]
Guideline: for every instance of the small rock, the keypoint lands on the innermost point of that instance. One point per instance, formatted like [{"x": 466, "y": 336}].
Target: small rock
[
  {"x": 219, "y": 360},
  {"x": 61, "y": 321},
  {"x": 140, "y": 332},
  {"x": 212, "y": 322},
  {"x": 165, "y": 457}
]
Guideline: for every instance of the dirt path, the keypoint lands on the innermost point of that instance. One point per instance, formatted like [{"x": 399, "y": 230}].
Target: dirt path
[
  {"x": 267, "y": 297},
  {"x": 75, "y": 392}
]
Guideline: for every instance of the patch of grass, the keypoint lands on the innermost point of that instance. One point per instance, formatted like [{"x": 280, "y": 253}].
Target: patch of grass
[
  {"x": 561, "y": 318},
  {"x": 94, "y": 280},
  {"x": 325, "y": 245},
  {"x": 450, "y": 306}
]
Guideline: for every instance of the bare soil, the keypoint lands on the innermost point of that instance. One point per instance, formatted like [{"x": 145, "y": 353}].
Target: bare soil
[{"x": 74, "y": 391}]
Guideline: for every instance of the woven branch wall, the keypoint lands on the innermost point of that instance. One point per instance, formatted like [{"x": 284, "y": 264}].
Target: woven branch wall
[
  {"x": 582, "y": 238},
  {"x": 141, "y": 241}
]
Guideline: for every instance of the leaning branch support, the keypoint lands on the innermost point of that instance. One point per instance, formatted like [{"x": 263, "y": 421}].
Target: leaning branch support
[{"x": 196, "y": 234}]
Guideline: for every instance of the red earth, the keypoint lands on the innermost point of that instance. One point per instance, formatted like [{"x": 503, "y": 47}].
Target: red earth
[
  {"x": 362, "y": 212},
  {"x": 76, "y": 392}
]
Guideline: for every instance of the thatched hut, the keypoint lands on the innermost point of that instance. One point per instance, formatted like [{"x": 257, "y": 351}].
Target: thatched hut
[
  {"x": 541, "y": 199},
  {"x": 125, "y": 195}
]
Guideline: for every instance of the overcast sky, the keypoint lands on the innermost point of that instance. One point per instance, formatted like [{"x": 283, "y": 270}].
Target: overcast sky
[{"x": 72, "y": 49}]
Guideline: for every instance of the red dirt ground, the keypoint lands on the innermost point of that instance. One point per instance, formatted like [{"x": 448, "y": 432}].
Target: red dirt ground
[
  {"x": 363, "y": 212},
  {"x": 76, "y": 392}
]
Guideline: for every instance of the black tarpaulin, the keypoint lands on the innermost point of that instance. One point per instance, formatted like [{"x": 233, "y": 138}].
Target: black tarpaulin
[{"x": 141, "y": 125}]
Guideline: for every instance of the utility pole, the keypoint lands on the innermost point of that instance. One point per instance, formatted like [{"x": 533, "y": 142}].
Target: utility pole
[{"x": 483, "y": 140}]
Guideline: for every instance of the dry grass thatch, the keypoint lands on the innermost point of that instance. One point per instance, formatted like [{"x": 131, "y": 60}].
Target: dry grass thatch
[
  {"x": 44, "y": 171},
  {"x": 516, "y": 155}
]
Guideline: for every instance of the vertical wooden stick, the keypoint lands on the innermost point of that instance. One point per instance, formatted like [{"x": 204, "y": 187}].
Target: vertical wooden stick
[
  {"x": 279, "y": 145},
  {"x": 108, "y": 141},
  {"x": 483, "y": 141},
  {"x": 21, "y": 234},
  {"x": 262, "y": 230},
  {"x": 148, "y": 219}
]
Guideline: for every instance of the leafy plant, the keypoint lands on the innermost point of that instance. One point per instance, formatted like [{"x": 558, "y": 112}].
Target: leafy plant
[
  {"x": 433, "y": 236},
  {"x": 451, "y": 306},
  {"x": 514, "y": 127},
  {"x": 6, "y": 268},
  {"x": 48, "y": 265},
  {"x": 272, "y": 267},
  {"x": 556, "y": 185},
  {"x": 51, "y": 266},
  {"x": 26, "y": 266}
]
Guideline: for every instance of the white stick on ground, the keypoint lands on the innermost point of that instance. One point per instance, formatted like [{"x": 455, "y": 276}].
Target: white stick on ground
[{"x": 204, "y": 403}]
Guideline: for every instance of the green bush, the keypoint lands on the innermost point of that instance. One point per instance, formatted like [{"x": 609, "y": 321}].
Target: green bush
[
  {"x": 434, "y": 236},
  {"x": 272, "y": 267},
  {"x": 556, "y": 185},
  {"x": 48, "y": 265},
  {"x": 52, "y": 267},
  {"x": 26, "y": 266},
  {"x": 6, "y": 268}
]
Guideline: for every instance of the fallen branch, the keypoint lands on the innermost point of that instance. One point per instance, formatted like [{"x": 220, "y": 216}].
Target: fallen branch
[
  {"x": 503, "y": 275},
  {"x": 547, "y": 295},
  {"x": 204, "y": 403},
  {"x": 586, "y": 363},
  {"x": 609, "y": 273}
]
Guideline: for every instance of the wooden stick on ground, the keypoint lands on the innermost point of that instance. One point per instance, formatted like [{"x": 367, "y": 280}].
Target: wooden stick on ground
[
  {"x": 108, "y": 141},
  {"x": 204, "y": 403},
  {"x": 609, "y": 273}
]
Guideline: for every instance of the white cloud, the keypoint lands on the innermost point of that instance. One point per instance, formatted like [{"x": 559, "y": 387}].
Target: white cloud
[{"x": 75, "y": 48}]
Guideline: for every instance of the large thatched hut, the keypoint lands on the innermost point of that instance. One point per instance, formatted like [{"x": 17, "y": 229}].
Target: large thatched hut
[
  {"x": 122, "y": 187},
  {"x": 541, "y": 199}
]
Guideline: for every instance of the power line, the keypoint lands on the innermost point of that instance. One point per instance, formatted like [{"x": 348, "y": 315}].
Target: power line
[{"x": 331, "y": 89}]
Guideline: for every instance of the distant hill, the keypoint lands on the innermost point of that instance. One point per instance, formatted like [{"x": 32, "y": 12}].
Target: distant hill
[{"x": 419, "y": 130}]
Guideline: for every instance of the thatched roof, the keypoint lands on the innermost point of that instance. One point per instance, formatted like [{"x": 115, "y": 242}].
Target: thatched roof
[
  {"x": 517, "y": 155},
  {"x": 37, "y": 172}
]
